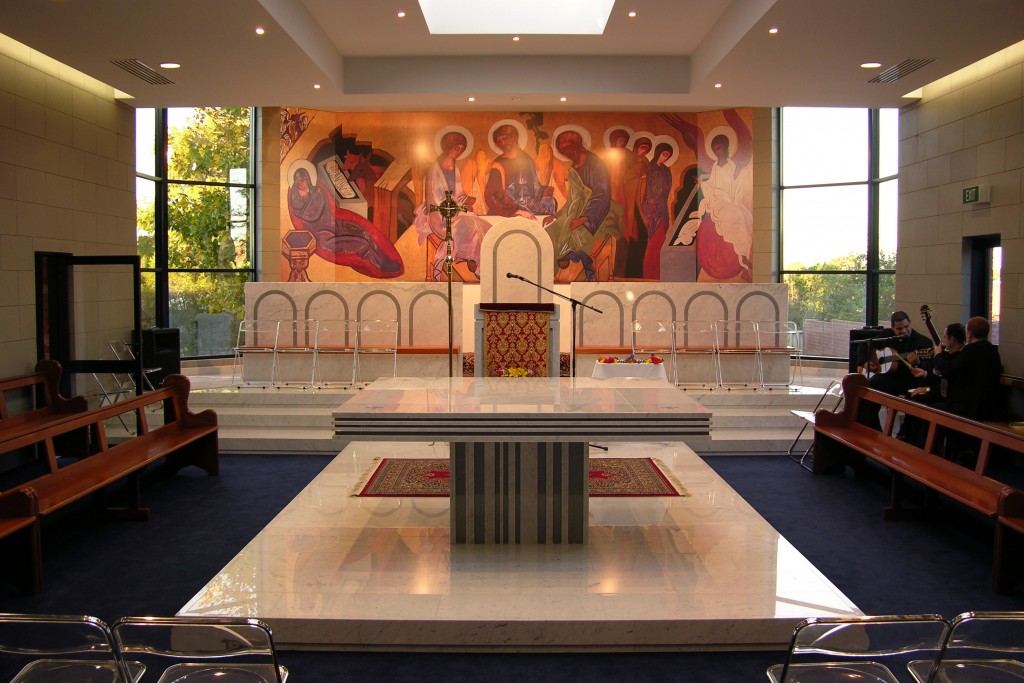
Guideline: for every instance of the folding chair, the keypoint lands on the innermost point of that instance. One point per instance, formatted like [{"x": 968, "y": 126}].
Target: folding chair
[
  {"x": 695, "y": 338},
  {"x": 877, "y": 649},
  {"x": 376, "y": 337},
  {"x": 183, "y": 649},
  {"x": 255, "y": 337},
  {"x": 38, "y": 648},
  {"x": 779, "y": 338},
  {"x": 982, "y": 646},
  {"x": 834, "y": 389},
  {"x": 652, "y": 337},
  {"x": 334, "y": 338},
  {"x": 295, "y": 338}
]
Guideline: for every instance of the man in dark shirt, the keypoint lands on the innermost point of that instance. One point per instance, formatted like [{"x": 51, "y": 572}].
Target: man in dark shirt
[
  {"x": 973, "y": 376},
  {"x": 902, "y": 349}
]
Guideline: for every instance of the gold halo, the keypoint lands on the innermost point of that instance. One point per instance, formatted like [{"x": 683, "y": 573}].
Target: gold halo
[
  {"x": 507, "y": 122},
  {"x": 642, "y": 134},
  {"x": 669, "y": 140},
  {"x": 608, "y": 135},
  {"x": 728, "y": 132},
  {"x": 584, "y": 133},
  {"x": 441, "y": 132},
  {"x": 301, "y": 163}
]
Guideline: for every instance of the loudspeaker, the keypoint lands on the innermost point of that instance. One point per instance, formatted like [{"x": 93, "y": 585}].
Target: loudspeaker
[
  {"x": 858, "y": 344},
  {"x": 161, "y": 348}
]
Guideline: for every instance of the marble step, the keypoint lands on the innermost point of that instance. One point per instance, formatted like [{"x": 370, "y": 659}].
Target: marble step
[
  {"x": 752, "y": 441},
  {"x": 279, "y": 440},
  {"x": 263, "y": 417}
]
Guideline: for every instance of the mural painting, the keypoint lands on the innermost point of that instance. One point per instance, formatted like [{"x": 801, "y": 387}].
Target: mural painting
[{"x": 623, "y": 196}]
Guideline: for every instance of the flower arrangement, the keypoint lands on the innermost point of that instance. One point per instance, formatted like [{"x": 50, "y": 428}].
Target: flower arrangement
[
  {"x": 517, "y": 372},
  {"x": 632, "y": 358}
]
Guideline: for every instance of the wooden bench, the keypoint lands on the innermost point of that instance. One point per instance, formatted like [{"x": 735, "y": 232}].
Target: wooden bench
[
  {"x": 21, "y": 557},
  {"x": 49, "y": 404},
  {"x": 839, "y": 440},
  {"x": 185, "y": 438}
]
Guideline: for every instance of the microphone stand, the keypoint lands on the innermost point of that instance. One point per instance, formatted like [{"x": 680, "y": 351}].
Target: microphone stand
[{"x": 572, "y": 301}]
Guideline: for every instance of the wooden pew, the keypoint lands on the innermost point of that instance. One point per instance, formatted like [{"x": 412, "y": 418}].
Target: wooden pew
[
  {"x": 20, "y": 555},
  {"x": 44, "y": 382},
  {"x": 185, "y": 438},
  {"x": 840, "y": 440}
]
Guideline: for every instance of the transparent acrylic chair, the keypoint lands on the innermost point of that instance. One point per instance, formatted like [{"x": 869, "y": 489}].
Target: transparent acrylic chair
[
  {"x": 861, "y": 649},
  {"x": 693, "y": 339},
  {"x": 183, "y": 649},
  {"x": 255, "y": 337},
  {"x": 985, "y": 647},
  {"x": 376, "y": 337},
  {"x": 334, "y": 338},
  {"x": 779, "y": 338},
  {"x": 652, "y": 337},
  {"x": 38, "y": 648},
  {"x": 737, "y": 340},
  {"x": 295, "y": 338}
]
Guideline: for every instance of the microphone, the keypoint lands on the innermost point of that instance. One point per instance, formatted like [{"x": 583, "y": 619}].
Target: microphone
[{"x": 513, "y": 275}]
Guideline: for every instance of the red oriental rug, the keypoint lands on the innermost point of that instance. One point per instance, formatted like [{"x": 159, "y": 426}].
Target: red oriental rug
[{"x": 608, "y": 477}]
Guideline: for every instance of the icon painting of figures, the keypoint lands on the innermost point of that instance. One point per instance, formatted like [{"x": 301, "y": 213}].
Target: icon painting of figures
[{"x": 622, "y": 196}]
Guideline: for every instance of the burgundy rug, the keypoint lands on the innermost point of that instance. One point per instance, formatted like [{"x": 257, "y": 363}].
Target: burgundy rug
[{"x": 608, "y": 477}]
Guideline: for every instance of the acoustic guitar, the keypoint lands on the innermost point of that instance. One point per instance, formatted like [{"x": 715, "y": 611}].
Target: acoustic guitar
[{"x": 886, "y": 359}]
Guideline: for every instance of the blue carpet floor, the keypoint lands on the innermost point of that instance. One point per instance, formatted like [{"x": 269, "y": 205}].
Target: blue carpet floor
[{"x": 112, "y": 569}]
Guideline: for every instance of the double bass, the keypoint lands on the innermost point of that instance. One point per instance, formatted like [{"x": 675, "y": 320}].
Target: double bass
[{"x": 926, "y": 315}]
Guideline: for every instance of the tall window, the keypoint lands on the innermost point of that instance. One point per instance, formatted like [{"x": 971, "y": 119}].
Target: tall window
[
  {"x": 839, "y": 214},
  {"x": 195, "y": 196}
]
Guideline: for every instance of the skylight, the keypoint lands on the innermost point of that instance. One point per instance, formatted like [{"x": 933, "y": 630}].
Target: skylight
[{"x": 524, "y": 17}]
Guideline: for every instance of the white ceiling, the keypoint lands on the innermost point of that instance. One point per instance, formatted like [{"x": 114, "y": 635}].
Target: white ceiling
[{"x": 668, "y": 58}]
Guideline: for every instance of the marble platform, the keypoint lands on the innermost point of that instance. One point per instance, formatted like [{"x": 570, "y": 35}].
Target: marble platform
[{"x": 697, "y": 572}]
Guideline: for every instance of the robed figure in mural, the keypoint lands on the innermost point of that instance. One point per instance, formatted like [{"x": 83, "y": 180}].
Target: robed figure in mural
[
  {"x": 723, "y": 223},
  {"x": 342, "y": 236},
  {"x": 588, "y": 213},
  {"x": 467, "y": 228},
  {"x": 512, "y": 185}
]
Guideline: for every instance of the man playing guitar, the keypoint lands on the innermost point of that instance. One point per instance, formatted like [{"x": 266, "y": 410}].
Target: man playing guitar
[{"x": 909, "y": 349}]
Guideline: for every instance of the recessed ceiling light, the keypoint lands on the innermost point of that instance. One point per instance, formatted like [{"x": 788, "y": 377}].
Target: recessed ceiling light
[
  {"x": 773, "y": 30},
  {"x": 631, "y": 15},
  {"x": 401, "y": 15},
  {"x": 870, "y": 65},
  {"x": 260, "y": 30},
  {"x": 718, "y": 85},
  {"x": 515, "y": 39},
  {"x": 316, "y": 86},
  {"x": 561, "y": 99},
  {"x": 170, "y": 65},
  {"x": 492, "y": 17},
  {"x": 472, "y": 99}
]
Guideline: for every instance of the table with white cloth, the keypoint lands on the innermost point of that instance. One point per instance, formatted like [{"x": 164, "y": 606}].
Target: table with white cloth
[
  {"x": 519, "y": 448},
  {"x": 637, "y": 370}
]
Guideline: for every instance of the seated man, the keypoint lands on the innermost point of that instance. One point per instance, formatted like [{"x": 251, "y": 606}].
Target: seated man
[
  {"x": 973, "y": 389},
  {"x": 902, "y": 349},
  {"x": 936, "y": 385}
]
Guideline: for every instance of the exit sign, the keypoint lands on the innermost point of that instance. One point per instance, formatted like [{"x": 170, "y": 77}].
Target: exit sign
[{"x": 977, "y": 194}]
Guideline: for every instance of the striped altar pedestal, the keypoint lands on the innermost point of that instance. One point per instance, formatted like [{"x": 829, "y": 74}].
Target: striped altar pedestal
[
  {"x": 519, "y": 447},
  {"x": 520, "y": 492}
]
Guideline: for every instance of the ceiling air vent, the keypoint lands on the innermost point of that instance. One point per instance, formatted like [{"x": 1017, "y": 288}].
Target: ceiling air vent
[
  {"x": 140, "y": 70},
  {"x": 904, "y": 68}
]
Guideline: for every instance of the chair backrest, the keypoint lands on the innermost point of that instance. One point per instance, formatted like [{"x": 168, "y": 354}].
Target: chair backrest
[
  {"x": 877, "y": 648},
  {"x": 200, "y": 648},
  {"x": 652, "y": 336},
  {"x": 258, "y": 334},
  {"x": 781, "y": 335},
  {"x": 733, "y": 335},
  {"x": 377, "y": 336},
  {"x": 42, "y": 647},
  {"x": 982, "y": 646},
  {"x": 297, "y": 334},
  {"x": 694, "y": 336},
  {"x": 337, "y": 335}
]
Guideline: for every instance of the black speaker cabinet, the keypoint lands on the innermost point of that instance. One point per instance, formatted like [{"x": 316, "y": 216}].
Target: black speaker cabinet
[
  {"x": 858, "y": 344},
  {"x": 161, "y": 348}
]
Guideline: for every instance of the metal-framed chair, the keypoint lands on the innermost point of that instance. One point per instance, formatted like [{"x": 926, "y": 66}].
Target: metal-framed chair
[
  {"x": 694, "y": 338},
  {"x": 295, "y": 338},
  {"x": 982, "y": 646},
  {"x": 183, "y": 649},
  {"x": 737, "y": 339},
  {"x": 334, "y": 338},
  {"x": 878, "y": 649},
  {"x": 40, "y": 648},
  {"x": 255, "y": 337},
  {"x": 778, "y": 338},
  {"x": 652, "y": 337},
  {"x": 834, "y": 389},
  {"x": 378, "y": 337}
]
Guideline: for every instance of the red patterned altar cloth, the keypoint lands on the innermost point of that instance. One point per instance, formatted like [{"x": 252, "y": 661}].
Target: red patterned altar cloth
[{"x": 517, "y": 336}]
